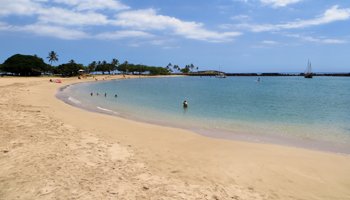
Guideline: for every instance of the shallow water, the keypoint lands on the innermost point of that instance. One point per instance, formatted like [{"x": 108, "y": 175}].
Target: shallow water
[{"x": 312, "y": 113}]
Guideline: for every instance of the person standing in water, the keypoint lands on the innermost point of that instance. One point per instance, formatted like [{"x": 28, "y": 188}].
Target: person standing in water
[{"x": 185, "y": 104}]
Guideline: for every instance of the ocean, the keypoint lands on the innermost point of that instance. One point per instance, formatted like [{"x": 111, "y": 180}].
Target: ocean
[{"x": 294, "y": 111}]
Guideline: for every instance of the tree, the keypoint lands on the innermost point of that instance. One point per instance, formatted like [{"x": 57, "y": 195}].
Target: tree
[
  {"x": 168, "y": 67},
  {"x": 124, "y": 67},
  {"x": 25, "y": 65},
  {"x": 115, "y": 62},
  {"x": 113, "y": 65},
  {"x": 92, "y": 66},
  {"x": 53, "y": 57},
  {"x": 69, "y": 69},
  {"x": 140, "y": 68},
  {"x": 192, "y": 67},
  {"x": 103, "y": 67},
  {"x": 186, "y": 69},
  {"x": 176, "y": 67},
  {"x": 99, "y": 67},
  {"x": 158, "y": 71}
]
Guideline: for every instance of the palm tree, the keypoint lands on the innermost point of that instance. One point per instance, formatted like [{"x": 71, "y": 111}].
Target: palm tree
[
  {"x": 92, "y": 66},
  {"x": 126, "y": 63},
  {"x": 104, "y": 66},
  {"x": 53, "y": 57},
  {"x": 192, "y": 67},
  {"x": 176, "y": 67},
  {"x": 168, "y": 67},
  {"x": 114, "y": 64}
]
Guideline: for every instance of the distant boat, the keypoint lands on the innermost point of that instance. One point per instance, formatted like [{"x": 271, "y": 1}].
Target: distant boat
[
  {"x": 221, "y": 75},
  {"x": 308, "y": 72}
]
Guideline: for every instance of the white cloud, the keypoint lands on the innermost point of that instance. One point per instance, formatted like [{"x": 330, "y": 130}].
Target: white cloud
[
  {"x": 149, "y": 20},
  {"x": 72, "y": 14},
  {"x": 319, "y": 40},
  {"x": 123, "y": 34},
  {"x": 54, "y": 31},
  {"x": 279, "y": 3},
  {"x": 272, "y": 3},
  {"x": 4, "y": 26},
  {"x": 242, "y": 1},
  {"x": 241, "y": 17},
  {"x": 49, "y": 15},
  {"x": 67, "y": 17},
  {"x": 46, "y": 30},
  {"x": 94, "y": 4},
  {"x": 144, "y": 19},
  {"x": 71, "y": 34},
  {"x": 269, "y": 42},
  {"x": 333, "y": 14},
  {"x": 18, "y": 7}
]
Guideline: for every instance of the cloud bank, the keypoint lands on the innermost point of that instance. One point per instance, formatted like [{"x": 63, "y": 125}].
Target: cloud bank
[
  {"x": 332, "y": 14},
  {"x": 70, "y": 19}
]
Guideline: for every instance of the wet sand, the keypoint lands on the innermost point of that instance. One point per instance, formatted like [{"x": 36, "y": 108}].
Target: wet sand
[{"x": 51, "y": 150}]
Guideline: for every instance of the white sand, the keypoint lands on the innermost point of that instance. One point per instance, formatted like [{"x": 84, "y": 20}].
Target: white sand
[{"x": 51, "y": 150}]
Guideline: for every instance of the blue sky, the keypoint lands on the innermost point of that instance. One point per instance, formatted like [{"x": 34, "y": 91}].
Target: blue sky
[{"x": 230, "y": 35}]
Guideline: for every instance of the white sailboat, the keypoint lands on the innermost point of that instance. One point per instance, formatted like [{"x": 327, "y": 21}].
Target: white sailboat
[
  {"x": 308, "y": 72},
  {"x": 221, "y": 75}
]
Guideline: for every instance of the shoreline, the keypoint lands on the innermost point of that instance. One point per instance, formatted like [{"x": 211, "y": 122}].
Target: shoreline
[
  {"x": 236, "y": 135},
  {"x": 56, "y": 150}
]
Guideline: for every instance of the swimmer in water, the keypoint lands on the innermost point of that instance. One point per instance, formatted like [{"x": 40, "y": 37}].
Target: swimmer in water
[{"x": 185, "y": 104}]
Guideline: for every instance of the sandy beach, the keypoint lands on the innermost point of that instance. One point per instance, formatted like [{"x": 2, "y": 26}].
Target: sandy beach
[{"x": 51, "y": 150}]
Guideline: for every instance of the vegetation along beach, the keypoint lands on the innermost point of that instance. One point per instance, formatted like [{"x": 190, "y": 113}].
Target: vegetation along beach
[{"x": 183, "y": 100}]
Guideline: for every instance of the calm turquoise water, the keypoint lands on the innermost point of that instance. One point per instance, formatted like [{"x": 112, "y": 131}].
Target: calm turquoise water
[{"x": 312, "y": 113}]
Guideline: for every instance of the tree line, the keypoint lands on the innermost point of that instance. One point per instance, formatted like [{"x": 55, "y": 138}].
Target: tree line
[{"x": 28, "y": 65}]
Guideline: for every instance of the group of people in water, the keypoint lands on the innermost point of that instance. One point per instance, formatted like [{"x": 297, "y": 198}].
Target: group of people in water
[
  {"x": 184, "y": 103},
  {"x": 97, "y": 94}
]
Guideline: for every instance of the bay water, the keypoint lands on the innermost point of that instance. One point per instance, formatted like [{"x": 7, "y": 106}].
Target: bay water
[{"x": 310, "y": 113}]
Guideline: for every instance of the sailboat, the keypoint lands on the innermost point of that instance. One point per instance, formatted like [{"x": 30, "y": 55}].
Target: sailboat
[
  {"x": 220, "y": 75},
  {"x": 308, "y": 72}
]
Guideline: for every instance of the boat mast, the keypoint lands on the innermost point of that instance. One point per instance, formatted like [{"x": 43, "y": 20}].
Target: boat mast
[{"x": 310, "y": 70}]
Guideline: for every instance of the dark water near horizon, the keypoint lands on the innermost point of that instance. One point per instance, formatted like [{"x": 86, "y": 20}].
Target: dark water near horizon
[{"x": 312, "y": 113}]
